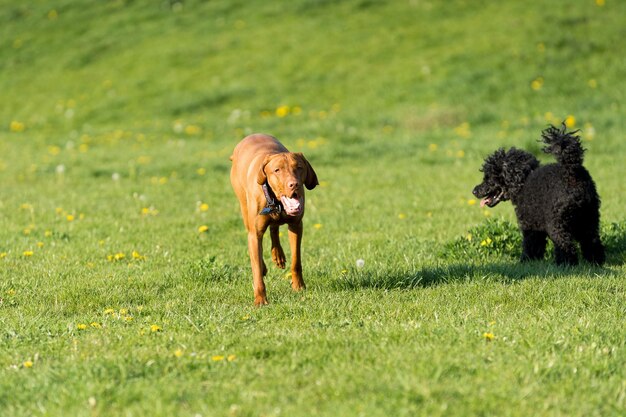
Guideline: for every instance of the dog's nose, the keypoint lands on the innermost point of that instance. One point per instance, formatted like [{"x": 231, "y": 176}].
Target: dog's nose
[
  {"x": 475, "y": 191},
  {"x": 292, "y": 185}
]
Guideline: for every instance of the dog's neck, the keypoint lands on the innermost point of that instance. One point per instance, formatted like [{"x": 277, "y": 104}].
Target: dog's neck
[{"x": 271, "y": 204}]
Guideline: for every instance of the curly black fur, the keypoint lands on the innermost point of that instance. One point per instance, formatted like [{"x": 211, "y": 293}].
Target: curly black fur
[
  {"x": 565, "y": 146},
  {"x": 557, "y": 200}
]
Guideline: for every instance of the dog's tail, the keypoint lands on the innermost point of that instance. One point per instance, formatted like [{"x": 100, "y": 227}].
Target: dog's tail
[{"x": 565, "y": 146}]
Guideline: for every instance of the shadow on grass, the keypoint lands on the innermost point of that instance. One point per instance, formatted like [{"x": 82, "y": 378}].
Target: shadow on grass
[{"x": 445, "y": 274}]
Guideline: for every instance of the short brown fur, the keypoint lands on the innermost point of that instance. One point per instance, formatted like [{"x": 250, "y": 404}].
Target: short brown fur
[{"x": 256, "y": 159}]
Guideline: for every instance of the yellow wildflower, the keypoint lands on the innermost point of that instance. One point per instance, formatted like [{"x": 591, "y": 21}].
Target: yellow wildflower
[
  {"x": 488, "y": 336},
  {"x": 28, "y": 364},
  {"x": 317, "y": 225},
  {"x": 81, "y": 326},
  {"x": 192, "y": 130},
  {"x": 231, "y": 358},
  {"x": 204, "y": 207},
  {"x": 95, "y": 325},
  {"x": 463, "y": 130},
  {"x": 144, "y": 160},
  {"x": 217, "y": 358},
  {"x": 203, "y": 228},
  {"x": 570, "y": 121},
  {"x": 109, "y": 311},
  {"x": 3, "y": 255},
  {"x": 16, "y": 126},
  {"x": 486, "y": 242},
  {"x": 155, "y": 328},
  {"x": 282, "y": 111},
  {"x": 119, "y": 256},
  {"x": 537, "y": 83},
  {"x": 201, "y": 171},
  {"x": 471, "y": 202},
  {"x": 402, "y": 216},
  {"x": 137, "y": 255},
  {"x": 70, "y": 217},
  {"x": 28, "y": 253},
  {"x": 178, "y": 353}
]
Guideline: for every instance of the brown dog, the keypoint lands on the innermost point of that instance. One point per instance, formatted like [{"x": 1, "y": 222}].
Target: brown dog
[{"x": 269, "y": 182}]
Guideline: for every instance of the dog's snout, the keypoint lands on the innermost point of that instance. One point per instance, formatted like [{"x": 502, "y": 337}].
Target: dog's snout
[
  {"x": 292, "y": 184},
  {"x": 475, "y": 191}
]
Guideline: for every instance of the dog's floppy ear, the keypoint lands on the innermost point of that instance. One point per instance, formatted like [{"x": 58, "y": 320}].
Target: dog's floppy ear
[
  {"x": 261, "y": 177},
  {"x": 310, "y": 177},
  {"x": 516, "y": 167}
]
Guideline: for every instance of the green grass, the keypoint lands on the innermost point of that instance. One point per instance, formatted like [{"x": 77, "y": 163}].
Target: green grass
[{"x": 122, "y": 115}]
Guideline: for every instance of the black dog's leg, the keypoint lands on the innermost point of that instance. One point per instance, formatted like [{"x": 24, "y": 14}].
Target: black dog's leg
[
  {"x": 564, "y": 248},
  {"x": 533, "y": 245},
  {"x": 593, "y": 250}
]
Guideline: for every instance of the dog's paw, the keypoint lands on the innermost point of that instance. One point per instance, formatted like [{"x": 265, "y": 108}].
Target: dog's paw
[
  {"x": 260, "y": 300},
  {"x": 297, "y": 283}
]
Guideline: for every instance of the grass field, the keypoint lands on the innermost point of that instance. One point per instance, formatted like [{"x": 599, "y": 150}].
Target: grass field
[{"x": 125, "y": 286}]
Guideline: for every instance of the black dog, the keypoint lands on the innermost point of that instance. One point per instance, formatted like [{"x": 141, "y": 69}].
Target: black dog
[{"x": 558, "y": 200}]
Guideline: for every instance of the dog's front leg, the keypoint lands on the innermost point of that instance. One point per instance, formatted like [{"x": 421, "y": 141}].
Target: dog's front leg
[
  {"x": 255, "y": 250},
  {"x": 533, "y": 245},
  {"x": 295, "y": 240}
]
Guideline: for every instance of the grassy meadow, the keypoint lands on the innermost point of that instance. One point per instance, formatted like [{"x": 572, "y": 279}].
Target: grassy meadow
[{"x": 125, "y": 285}]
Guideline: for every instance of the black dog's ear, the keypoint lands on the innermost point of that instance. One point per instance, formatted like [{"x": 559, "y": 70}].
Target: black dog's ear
[
  {"x": 516, "y": 167},
  {"x": 261, "y": 177},
  {"x": 310, "y": 177},
  {"x": 492, "y": 163}
]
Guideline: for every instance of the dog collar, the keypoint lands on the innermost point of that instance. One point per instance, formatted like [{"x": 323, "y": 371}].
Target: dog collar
[{"x": 272, "y": 206}]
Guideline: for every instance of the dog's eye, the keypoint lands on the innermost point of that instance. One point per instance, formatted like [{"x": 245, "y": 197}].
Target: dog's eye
[{"x": 276, "y": 170}]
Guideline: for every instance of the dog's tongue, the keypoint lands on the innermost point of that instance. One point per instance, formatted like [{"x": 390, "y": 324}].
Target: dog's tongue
[
  {"x": 483, "y": 202},
  {"x": 292, "y": 205}
]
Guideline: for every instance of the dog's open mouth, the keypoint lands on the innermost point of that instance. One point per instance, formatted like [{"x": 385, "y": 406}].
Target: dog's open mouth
[
  {"x": 492, "y": 200},
  {"x": 292, "y": 205}
]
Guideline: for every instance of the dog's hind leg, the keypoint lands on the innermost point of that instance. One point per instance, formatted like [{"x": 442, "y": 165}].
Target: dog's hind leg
[
  {"x": 278, "y": 255},
  {"x": 592, "y": 249},
  {"x": 533, "y": 245},
  {"x": 564, "y": 248}
]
